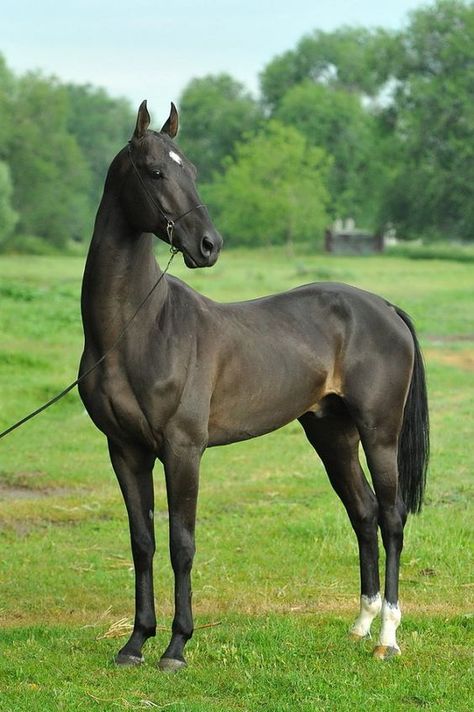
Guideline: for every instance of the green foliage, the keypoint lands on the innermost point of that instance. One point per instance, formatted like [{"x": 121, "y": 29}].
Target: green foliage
[
  {"x": 8, "y": 217},
  {"x": 322, "y": 88},
  {"x": 334, "y": 119},
  {"x": 6, "y": 114},
  {"x": 406, "y": 156},
  {"x": 273, "y": 192},
  {"x": 433, "y": 187},
  {"x": 57, "y": 142},
  {"x": 215, "y": 113},
  {"x": 355, "y": 59},
  {"x": 393, "y": 112},
  {"x": 49, "y": 173},
  {"x": 21, "y": 244},
  {"x": 434, "y": 251},
  {"x": 101, "y": 126}
]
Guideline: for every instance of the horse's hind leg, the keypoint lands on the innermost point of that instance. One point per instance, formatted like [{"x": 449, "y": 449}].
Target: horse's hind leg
[
  {"x": 380, "y": 445},
  {"x": 336, "y": 440}
]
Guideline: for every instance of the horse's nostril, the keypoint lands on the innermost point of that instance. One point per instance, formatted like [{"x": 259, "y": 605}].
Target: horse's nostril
[{"x": 207, "y": 246}]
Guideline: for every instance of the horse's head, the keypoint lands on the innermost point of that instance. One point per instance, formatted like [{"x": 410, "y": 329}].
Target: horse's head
[{"x": 159, "y": 192}]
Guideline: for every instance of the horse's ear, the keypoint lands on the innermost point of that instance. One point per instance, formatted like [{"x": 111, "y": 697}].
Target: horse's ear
[
  {"x": 143, "y": 121},
  {"x": 170, "y": 126}
]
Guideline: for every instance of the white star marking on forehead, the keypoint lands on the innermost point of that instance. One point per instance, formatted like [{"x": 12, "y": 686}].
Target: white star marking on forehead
[{"x": 176, "y": 158}]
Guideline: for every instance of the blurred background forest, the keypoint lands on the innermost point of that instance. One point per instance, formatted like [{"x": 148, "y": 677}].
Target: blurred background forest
[{"x": 370, "y": 124}]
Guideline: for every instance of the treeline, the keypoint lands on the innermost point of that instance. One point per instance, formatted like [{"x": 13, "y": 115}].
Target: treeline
[
  {"x": 370, "y": 124},
  {"x": 374, "y": 125},
  {"x": 56, "y": 142}
]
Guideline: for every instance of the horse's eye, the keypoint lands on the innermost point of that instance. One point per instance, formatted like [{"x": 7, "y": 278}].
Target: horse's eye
[{"x": 156, "y": 174}]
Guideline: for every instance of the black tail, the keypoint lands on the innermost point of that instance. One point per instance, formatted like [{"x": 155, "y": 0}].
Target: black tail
[{"x": 414, "y": 441}]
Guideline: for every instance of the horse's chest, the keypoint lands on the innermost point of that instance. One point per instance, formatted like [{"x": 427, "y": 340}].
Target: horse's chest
[{"x": 125, "y": 408}]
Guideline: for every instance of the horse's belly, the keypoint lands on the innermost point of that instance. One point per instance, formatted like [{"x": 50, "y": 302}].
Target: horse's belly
[{"x": 245, "y": 413}]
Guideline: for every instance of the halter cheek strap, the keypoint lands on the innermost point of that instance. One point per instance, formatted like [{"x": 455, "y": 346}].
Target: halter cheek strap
[{"x": 170, "y": 223}]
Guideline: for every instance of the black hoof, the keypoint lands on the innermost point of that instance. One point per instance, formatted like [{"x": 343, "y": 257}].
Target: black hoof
[
  {"x": 171, "y": 664},
  {"x": 125, "y": 660}
]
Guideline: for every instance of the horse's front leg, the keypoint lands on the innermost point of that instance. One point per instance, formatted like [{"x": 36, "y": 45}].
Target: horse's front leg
[
  {"x": 134, "y": 467},
  {"x": 182, "y": 479}
]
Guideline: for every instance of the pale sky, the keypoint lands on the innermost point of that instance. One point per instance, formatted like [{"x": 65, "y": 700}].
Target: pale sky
[{"x": 145, "y": 49}]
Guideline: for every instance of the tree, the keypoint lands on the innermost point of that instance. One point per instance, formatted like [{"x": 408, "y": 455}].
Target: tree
[
  {"x": 7, "y": 83},
  {"x": 329, "y": 88},
  {"x": 273, "y": 192},
  {"x": 351, "y": 58},
  {"x": 58, "y": 141},
  {"x": 336, "y": 120},
  {"x": 100, "y": 125},
  {"x": 8, "y": 217},
  {"x": 49, "y": 174},
  {"x": 433, "y": 186},
  {"x": 215, "y": 113}
]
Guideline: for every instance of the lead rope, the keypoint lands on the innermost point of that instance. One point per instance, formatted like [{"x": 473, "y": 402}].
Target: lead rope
[{"x": 174, "y": 250}]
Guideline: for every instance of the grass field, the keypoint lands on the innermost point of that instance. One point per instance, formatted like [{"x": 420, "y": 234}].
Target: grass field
[{"x": 276, "y": 573}]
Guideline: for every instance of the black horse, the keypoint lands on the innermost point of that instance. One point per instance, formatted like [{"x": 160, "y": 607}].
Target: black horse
[{"x": 189, "y": 373}]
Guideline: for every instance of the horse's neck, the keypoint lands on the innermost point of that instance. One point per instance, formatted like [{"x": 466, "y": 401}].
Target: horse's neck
[{"x": 120, "y": 271}]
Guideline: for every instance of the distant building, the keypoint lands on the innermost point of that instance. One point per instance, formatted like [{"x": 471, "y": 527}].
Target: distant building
[{"x": 345, "y": 239}]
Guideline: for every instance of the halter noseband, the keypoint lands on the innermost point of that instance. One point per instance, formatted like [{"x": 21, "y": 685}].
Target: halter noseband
[{"x": 170, "y": 223}]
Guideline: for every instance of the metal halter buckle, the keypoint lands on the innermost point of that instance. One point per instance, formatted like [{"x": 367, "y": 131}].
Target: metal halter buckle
[{"x": 169, "y": 231}]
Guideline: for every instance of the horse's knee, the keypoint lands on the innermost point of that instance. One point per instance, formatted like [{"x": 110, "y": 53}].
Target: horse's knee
[
  {"x": 182, "y": 559},
  {"x": 143, "y": 548},
  {"x": 182, "y": 551}
]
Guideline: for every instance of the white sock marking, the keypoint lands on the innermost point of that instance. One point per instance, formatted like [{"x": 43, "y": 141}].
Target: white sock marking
[
  {"x": 391, "y": 616},
  {"x": 370, "y": 607}
]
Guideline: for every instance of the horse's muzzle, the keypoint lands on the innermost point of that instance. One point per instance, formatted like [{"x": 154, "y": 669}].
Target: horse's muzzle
[
  {"x": 210, "y": 248},
  {"x": 207, "y": 251}
]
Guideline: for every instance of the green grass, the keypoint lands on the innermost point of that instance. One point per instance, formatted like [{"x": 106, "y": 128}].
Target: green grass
[
  {"x": 434, "y": 251},
  {"x": 276, "y": 573}
]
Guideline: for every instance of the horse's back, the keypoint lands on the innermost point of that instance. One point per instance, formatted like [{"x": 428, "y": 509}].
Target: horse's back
[{"x": 279, "y": 356}]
